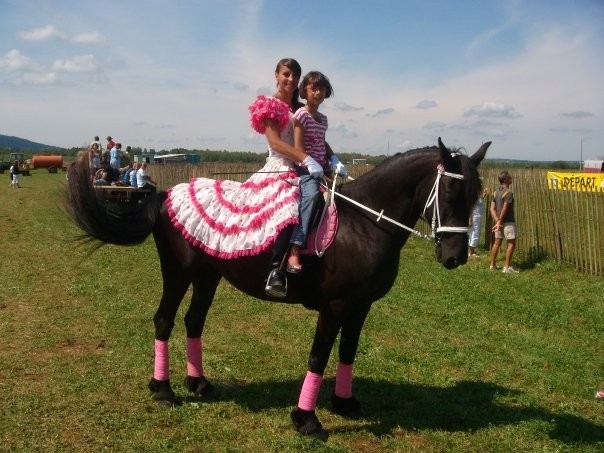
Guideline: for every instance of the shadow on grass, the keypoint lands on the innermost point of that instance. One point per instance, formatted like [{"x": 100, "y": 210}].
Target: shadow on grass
[{"x": 468, "y": 406}]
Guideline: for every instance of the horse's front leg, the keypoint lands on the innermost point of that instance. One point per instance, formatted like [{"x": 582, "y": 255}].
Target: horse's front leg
[
  {"x": 342, "y": 400},
  {"x": 303, "y": 416}
]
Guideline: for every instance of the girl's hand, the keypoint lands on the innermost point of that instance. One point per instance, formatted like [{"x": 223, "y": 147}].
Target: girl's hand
[
  {"x": 313, "y": 167},
  {"x": 338, "y": 167}
]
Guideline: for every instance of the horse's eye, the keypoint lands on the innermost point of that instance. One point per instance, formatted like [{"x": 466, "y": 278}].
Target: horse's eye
[{"x": 450, "y": 192}]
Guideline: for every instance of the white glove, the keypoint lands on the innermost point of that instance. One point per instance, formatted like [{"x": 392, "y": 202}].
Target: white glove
[
  {"x": 338, "y": 167},
  {"x": 313, "y": 167}
]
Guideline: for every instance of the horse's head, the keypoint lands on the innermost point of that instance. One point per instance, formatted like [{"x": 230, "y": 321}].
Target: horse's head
[{"x": 456, "y": 188}]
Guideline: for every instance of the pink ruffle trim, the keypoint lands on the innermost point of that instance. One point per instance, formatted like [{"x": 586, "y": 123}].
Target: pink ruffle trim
[
  {"x": 268, "y": 108},
  {"x": 256, "y": 221},
  {"x": 247, "y": 234},
  {"x": 237, "y": 253}
]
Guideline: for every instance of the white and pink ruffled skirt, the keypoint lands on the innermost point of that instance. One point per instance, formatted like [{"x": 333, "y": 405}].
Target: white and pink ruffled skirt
[{"x": 229, "y": 219}]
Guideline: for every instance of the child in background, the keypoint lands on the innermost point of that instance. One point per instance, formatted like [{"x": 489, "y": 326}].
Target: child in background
[
  {"x": 502, "y": 212},
  {"x": 15, "y": 175},
  {"x": 125, "y": 175},
  {"x": 133, "y": 181}
]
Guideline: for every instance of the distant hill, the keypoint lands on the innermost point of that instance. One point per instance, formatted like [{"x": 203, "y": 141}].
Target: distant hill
[{"x": 20, "y": 144}]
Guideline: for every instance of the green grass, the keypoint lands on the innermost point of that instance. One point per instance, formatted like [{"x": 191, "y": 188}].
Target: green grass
[{"x": 462, "y": 360}]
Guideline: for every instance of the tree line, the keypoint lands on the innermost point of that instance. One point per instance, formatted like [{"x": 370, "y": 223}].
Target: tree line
[{"x": 208, "y": 155}]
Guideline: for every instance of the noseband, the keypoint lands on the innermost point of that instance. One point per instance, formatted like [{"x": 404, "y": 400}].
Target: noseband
[{"x": 433, "y": 201}]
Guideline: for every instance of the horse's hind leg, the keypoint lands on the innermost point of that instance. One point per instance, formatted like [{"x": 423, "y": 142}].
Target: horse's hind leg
[
  {"x": 342, "y": 400},
  {"x": 204, "y": 288},
  {"x": 174, "y": 288}
]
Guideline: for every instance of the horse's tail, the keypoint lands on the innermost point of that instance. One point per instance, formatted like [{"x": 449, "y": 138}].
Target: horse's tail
[{"x": 108, "y": 222}]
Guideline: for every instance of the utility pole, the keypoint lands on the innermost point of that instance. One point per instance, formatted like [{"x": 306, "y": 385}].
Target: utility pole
[{"x": 581, "y": 162}]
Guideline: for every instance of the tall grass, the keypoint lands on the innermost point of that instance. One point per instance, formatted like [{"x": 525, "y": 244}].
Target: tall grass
[{"x": 462, "y": 360}]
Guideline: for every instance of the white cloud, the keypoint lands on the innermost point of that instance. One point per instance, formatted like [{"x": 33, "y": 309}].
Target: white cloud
[
  {"x": 405, "y": 145},
  {"x": 436, "y": 126},
  {"x": 382, "y": 112},
  {"x": 342, "y": 129},
  {"x": 38, "y": 78},
  {"x": 81, "y": 63},
  {"x": 46, "y": 33},
  {"x": 51, "y": 32},
  {"x": 578, "y": 114},
  {"x": 240, "y": 86},
  {"x": 486, "y": 123},
  {"x": 483, "y": 39},
  {"x": 344, "y": 107},
  {"x": 14, "y": 61},
  {"x": 92, "y": 37},
  {"x": 490, "y": 109},
  {"x": 426, "y": 104},
  {"x": 22, "y": 70}
]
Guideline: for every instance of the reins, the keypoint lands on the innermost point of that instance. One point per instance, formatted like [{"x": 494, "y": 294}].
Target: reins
[{"x": 380, "y": 215}]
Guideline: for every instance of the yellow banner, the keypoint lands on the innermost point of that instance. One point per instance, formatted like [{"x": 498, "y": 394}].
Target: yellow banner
[{"x": 580, "y": 182}]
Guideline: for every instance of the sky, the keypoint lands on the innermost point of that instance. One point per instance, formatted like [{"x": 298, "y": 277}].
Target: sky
[{"x": 526, "y": 75}]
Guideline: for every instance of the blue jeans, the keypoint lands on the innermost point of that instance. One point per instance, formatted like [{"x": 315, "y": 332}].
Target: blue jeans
[{"x": 309, "y": 188}]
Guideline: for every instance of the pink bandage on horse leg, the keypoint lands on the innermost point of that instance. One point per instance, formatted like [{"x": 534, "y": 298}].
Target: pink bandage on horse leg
[
  {"x": 161, "y": 371},
  {"x": 344, "y": 381},
  {"x": 194, "y": 357},
  {"x": 310, "y": 391}
]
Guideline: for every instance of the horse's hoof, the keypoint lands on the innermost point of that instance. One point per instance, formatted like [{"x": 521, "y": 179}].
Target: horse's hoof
[
  {"x": 347, "y": 407},
  {"x": 307, "y": 424},
  {"x": 162, "y": 393},
  {"x": 200, "y": 387}
]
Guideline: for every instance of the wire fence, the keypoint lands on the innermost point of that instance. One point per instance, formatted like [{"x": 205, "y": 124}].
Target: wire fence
[{"x": 564, "y": 225}]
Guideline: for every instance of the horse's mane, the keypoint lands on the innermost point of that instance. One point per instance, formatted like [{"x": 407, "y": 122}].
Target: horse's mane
[{"x": 472, "y": 183}]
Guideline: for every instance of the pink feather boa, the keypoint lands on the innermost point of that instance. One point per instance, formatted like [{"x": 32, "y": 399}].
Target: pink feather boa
[{"x": 268, "y": 108}]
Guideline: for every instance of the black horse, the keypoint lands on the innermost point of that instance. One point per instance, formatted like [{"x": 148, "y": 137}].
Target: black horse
[{"x": 358, "y": 269}]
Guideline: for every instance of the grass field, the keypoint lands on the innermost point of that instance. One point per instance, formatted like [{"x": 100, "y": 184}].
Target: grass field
[{"x": 462, "y": 360}]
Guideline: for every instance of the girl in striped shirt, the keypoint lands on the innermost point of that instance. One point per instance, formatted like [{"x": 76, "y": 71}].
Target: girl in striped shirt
[{"x": 310, "y": 126}]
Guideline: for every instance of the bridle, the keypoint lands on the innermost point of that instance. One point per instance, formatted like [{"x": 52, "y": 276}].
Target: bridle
[{"x": 432, "y": 201}]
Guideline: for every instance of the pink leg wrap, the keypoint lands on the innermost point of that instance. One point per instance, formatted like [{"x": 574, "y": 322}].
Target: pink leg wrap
[
  {"x": 310, "y": 391},
  {"x": 194, "y": 357},
  {"x": 161, "y": 371},
  {"x": 344, "y": 381}
]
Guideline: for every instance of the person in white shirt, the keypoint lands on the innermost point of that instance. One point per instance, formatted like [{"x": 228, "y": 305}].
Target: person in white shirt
[
  {"x": 143, "y": 180},
  {"x": 15, "y": 175}
]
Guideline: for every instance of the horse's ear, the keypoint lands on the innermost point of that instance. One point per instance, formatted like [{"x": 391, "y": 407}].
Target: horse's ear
[
  {"x": 479, "y": 155},
  {"x": 445, "y": 154},
  {"x": 441, "y": 145}
]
